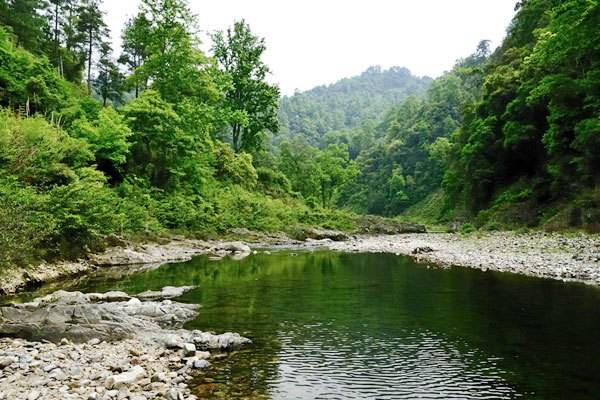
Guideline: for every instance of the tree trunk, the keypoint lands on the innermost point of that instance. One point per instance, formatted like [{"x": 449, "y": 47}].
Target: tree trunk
[
  {"x": 56, "y": 28},
  {"x": 56, "y": 43},
  {"x": 89, "y": 74},
  {"x": 236, "y": 137}
]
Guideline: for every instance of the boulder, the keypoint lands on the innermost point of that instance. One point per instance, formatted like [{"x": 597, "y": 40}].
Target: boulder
[
  {"x": 201, "y": 364},
  {"x": 168, "y": 292},
  {"x": 64, "y": 315},
  {"x": 189, "y": 349},
  {"x": 126, "y": 378},
  {"x": 8, "y": 361},
  {"x": 371, "y": 224},
  {"x": 321, "y": 234},
  {"x": 225, "y": 341},
  {"x": 422, "y": 250},
  {"x": 236, "y": 247}
]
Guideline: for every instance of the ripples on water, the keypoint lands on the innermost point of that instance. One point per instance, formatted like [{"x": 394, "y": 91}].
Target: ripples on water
[{"x": 418, "y": 365}]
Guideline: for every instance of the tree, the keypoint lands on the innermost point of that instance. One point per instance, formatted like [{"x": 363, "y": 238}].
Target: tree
[
  {"x": 239, "y": 54},
  {"x": 335, "y": 169},
  {"x": 160, "y": 147},
  {"x": 23, "y": 17},
  {"x": 63, "y": 42},
  {"x": 173, "y": 63},
  {"x": 109, "y": 82},
  {"x": 55, "y": 17},
  {"x": 297, "y": 160},
  {"x": 107, "y": 137},
  {"x": 28, "y": 83},
  {"x": 135, "y": 37},
  {"x": 91, "y": 24}
]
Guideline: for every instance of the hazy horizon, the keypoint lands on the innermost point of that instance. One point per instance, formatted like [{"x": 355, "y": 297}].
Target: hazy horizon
[{"x": 315, "y": 43}]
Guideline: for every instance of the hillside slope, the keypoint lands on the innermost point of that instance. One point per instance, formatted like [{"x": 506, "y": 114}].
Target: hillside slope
[{"x": 348, "y": 103}]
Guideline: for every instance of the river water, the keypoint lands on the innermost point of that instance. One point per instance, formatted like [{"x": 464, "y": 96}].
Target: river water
[{"x": 329, "y": 325}]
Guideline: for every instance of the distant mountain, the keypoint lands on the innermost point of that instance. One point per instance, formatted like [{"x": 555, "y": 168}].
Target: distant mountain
[{"x": 348, "y": 103}]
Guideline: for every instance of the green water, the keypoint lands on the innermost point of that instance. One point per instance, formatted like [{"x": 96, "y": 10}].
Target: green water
[{"x": 331, "y": 325}]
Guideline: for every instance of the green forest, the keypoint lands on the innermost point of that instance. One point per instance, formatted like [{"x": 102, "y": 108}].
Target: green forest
[{"x": 159, "y": 137}]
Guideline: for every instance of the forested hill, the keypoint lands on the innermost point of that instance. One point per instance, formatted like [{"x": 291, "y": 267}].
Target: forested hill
[
  {"x": 347, "y": 103},
  {"x": 507, "y": 138}
]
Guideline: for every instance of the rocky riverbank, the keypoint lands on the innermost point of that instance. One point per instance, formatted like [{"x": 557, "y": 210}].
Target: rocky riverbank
[
  {"x": 104, "y": 346},
  {"x": 540, "y": 254},
  {"x": 13, "y": 280}
]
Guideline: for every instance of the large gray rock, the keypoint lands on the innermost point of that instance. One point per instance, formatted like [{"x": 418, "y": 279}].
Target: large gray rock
[
  {"x": 236, "y": 247},
  {"x": 126, "y": 378},
  {"x": 81, "y": 317},
  {"x": 320, "y": 234},
  {"x": 168, "y": 292},
  {"x": 225, "y": 341},
  {"x": 372, "y": 224}
]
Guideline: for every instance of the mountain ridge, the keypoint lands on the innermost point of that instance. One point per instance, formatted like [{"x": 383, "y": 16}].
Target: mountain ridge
[{"x": 347, "y": 103}]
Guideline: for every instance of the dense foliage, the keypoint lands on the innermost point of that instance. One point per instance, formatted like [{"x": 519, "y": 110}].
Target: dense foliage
[
  {"x": 535, "y": 134},
  {"x": 346, "y": 104},
  {"x": 86, "y": 152},
  {"x": 406, "y": 162}
]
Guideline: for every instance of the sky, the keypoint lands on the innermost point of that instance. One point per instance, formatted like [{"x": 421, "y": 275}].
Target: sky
[{"x": 315, "y": 42}]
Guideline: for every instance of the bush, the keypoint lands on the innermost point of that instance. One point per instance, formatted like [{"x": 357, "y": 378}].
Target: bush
[
  {"x": 28, "y": 82},
  {"x": 274, "y": 183},
  {"x": 466, "y": 229},
  {"x": 25, "y": 223},
  {"x": 84, "y": 213},
  {"x": 57, "y": 204}
]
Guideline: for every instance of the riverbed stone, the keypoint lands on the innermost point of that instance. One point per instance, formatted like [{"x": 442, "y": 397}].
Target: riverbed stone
[
  {"x": 236, "y": 247},
  {"x": 201, "y": 364},
  {"x": 321, "y": 234},
  {"x": 422, "y": 250},
  {"x": 85, "y": 321},
  {"x": 225, "y": 341},
  {"x": 202, "y": 355},
  {"x": 91, "y": 360},
  {"x": 189, "y": 349},
  {"x": 8, "y": 361},
  {"x": 125, "y": 378},
  {"x": 540, "y": 254},
  {"x": 168, "y": 292}
]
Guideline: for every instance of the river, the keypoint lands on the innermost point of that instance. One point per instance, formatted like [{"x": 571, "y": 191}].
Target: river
[{"x": 329, "y": 325}]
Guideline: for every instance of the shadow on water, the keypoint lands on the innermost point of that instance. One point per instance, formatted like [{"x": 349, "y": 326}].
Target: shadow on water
[{"x": 336, "y": 325}]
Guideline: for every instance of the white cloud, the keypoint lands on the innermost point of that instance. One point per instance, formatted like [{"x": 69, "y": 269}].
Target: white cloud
[{"x": 312, "y": 42}]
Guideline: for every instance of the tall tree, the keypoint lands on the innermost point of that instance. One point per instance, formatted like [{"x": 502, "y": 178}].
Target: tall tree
[
  {"x": 173, "y": 64},
  {"x": 63, "y": 41},
  {"x": 91, "y": 24},
  {"x": 135, "y": 38},
  {"x": 23, "y": 17},
  {"x": 239, "y": 54},
  {"x": 109, "y": 82}
]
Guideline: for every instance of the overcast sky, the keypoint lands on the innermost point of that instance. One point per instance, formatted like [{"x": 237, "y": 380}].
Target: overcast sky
[{"x": 314, "y": 42}]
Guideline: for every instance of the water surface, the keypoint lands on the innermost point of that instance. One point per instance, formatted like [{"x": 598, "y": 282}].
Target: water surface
[{"x": 332, "y": 325}]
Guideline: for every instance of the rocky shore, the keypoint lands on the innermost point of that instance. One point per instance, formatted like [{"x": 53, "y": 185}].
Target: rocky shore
[
  {"x": 104, "y": 346},
  {"x": 540, "y": 254},
  {"x": 13, "y": 280}
]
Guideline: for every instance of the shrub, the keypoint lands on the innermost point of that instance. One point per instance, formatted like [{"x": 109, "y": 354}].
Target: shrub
[{"x": 466, "y": 229}]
